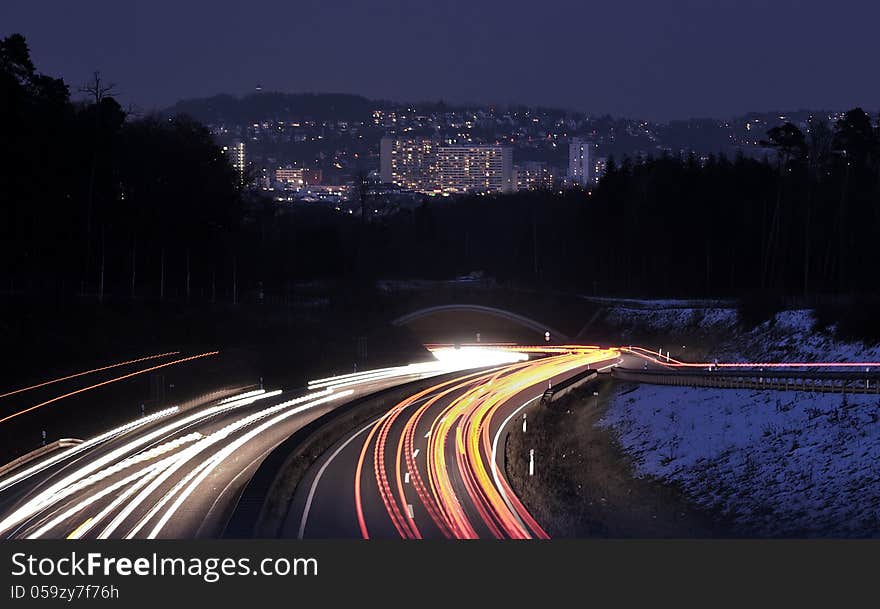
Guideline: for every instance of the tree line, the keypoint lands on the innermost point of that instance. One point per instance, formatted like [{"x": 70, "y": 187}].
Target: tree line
[
  {"x": 98, "y": 201},
  {"x": 802, "y": 224}
]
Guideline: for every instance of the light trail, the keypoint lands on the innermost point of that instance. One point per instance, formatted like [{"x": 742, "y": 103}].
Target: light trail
[
  {"x": 208, "y": 466},
  {"x": 182, "y": 458},
  {"x": 657, "y": 358},
  {"x": 653, "y": 356},
  {"x": 78, "y": 374},
  {"x": 60, "y": 489},
  {"x": 130, "y": 480},
  {"x": 102, "y": 384},
  {"x": 147, "y": 473},
  {"x": 437, "y": 448},
  {"x": 447, "y": 360},
  {"x": 397, "y": 514},
  {"x": 88, "y": 444},
  {"x": 459, "y": 441}
]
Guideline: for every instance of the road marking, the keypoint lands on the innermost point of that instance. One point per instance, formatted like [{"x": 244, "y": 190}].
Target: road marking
[
  {"x": 428, "y": 435},
  {"x": 495, "y": 452},
  {"x": 416, "y": 453},
  {"x": 308, "y": 506},
  {"x": 74, "y": 534},
  {"x": 406, "y": 478},
  {"x": 409, "y": 510},
  {"x": 314, "y": 486}
]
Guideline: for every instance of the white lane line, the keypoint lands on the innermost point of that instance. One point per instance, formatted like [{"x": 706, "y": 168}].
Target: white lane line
[
  {"x": 416, "y": 453},
  {"x": 406, "y": 478},
  {"x": 428, "y": 435},
  {"x": 498, "y": 484},
  {"x": 305, "y": 516},
  {"x": 314, "y": 486}
]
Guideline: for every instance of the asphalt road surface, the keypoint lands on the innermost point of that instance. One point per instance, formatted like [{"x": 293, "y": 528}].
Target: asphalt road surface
[
  {"x": 175, "y": 473},
  {"x": 432, "y": 466}
]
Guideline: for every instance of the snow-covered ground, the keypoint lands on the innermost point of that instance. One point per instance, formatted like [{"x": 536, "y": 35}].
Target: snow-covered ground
[
  {"x": 788, "y": 337},
  {"x": 777, "y": 463}
]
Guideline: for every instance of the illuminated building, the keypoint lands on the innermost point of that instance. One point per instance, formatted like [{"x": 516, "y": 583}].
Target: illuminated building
[
  {"x": 482, "y": 169},
  {"x": 423, "y": 165},
  {"x": 235, "y": 152},
  {"x": 533, "y": 175},
  {"x": 296, "y": 178},
  {"x": 409, "y": 163},
  {"x": 579, "y": 169}
]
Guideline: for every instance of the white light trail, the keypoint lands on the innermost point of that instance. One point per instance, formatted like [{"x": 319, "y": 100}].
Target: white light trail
[
  {"x": 48, "y": 496},
  {"x": 147, "y": 472},
  {"x": 187, "y": 454},
  {"x": 447, "y": 359},
  {"x": 73, "y": 450},
  {"x": 207, "y": 466}
]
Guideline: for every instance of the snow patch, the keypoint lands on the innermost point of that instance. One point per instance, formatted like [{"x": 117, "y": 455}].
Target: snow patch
[{"x": 776, "y": 463}]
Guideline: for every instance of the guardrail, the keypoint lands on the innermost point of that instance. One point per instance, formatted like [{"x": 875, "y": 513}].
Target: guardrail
[
  {"x": 36, "y": 454},
  {"x": 570, "y": 384},
  {"x": 819, "y": 381}
]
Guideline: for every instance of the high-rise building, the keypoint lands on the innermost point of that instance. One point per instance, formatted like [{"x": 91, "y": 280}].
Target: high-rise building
[
  {"x": 409, "y": 163},
  {"x": 386, "y": 148},
  {"x": 235, "y": 152},
  {"x": 422, "y": 164},
  {"x": 482, "y": 169},
  {"x": 579, "y": 161}
]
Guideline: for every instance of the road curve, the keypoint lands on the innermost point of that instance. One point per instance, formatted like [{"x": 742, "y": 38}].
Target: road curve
[{"x": 432, "y": 465}]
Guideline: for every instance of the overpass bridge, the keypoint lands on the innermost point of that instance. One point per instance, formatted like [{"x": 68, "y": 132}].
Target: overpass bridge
[{"x": 466, "y": 319}]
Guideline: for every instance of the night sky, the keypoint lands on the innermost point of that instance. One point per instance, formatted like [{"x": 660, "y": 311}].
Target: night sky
[{"x": 643, "y": 58}]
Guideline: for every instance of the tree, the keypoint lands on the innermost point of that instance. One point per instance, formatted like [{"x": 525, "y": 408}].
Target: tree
[
  {"x": 789, "y": 142},
  {"x": 854, "y": 137}
]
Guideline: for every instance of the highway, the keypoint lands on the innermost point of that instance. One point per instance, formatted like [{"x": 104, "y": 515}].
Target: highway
[
  {"x": 176, "y": 473},
  {"x": 432, "y": 466}
]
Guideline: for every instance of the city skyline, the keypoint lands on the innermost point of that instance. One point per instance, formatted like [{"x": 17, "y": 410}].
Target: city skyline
[
  {"x": 364, "y": 271},
  {"x": 688, "y": 60}
]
